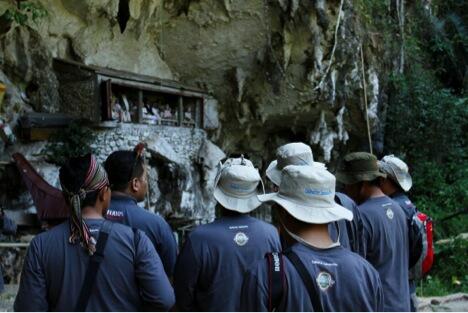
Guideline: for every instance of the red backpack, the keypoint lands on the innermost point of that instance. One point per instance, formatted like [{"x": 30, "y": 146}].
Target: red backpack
[{"x": 421, "y": 245}]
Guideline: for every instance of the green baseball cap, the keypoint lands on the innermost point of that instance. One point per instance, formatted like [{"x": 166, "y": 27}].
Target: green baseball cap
[{"x": 357, "y": 167}]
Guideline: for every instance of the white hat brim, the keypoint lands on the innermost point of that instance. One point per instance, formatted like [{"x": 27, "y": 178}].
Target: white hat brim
[
  {"x": 404, "y": 180},
  {"x": 241, "y": 205},
  {"x": 273, "y": 173},
  {"x": 309, "y": 213}
]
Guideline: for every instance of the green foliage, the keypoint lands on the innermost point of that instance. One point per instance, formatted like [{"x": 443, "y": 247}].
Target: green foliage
[
  {"x": 449, "y": 276},
  {"x": 25, "y": 11},
  {"x": 74, "y": 141},
  {"x": 426, "y": 126},
  {"x": 376, "y": 15}
]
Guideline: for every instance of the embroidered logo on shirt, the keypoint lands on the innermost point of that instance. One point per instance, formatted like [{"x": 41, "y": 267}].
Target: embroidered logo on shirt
[
  {"x": 241, "y": 239},
  {"x": 324, "y": 281},
  {"x": 324, "y": 263},
  {"x": 238, "y": 226},
  {"x": 390, "y": 213},
  {"x": 114, "y": 215}
]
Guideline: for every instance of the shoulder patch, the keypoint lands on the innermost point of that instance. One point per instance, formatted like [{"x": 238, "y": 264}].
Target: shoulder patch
[
  {"x": 241, "y": 239},
  {"x": 389, "y": 213}
]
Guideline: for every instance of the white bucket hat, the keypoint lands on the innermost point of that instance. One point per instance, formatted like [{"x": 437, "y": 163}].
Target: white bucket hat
[
  {"x": 236, "y": 185},
  {"x": 397, "y": 170},
  {"x": 296, "y": 153},
  {"x": 308, "y": 194}
]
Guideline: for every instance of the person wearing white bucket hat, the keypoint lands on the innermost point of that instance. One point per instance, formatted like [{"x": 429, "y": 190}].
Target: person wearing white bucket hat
[
  {"x": 315, "y": 273},
  {"x": 385, "y": 239},
  {"x": 349, "y": 233},
  {"x": 210, "y": 267},
  {"x": 295, "y": 153},
  {"x": 236, "y": 186},
  {"x": 398, "y": 182}
]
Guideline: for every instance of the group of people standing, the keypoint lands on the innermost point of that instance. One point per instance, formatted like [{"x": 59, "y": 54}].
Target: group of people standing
[{"x": 330, "y": 251}]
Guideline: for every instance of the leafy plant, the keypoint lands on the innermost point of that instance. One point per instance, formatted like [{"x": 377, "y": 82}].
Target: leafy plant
[
  {"x": 25, "y": 11},
  {"x": 74, "y": 141},
  {"x": 449, "y": 271},
  {"x": 426, "y": 126}
]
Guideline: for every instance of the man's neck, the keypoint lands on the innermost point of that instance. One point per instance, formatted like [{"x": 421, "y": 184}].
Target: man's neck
[
  {"x": 121, "y": 193},
  {"x": 373, "y": 192},
  {"x": 90, "y": 212},
  {"x": 229, "y": 213},
  {"x": 316, "y": 235}
]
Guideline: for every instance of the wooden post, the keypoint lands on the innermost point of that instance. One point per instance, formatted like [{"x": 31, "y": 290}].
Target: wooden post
[
  {"x": 181, "y": 110},
  {"x": 140, "y": 106},
  {"x": 198, "y": 113},
  {"x": 106, "y": 100}
]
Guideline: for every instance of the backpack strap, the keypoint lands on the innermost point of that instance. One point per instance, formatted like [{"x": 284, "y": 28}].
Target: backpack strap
[
  {"x": 276, "y": 280},
  {"x": 314, "y": 294},
  {"x": 93, "y": 267}
]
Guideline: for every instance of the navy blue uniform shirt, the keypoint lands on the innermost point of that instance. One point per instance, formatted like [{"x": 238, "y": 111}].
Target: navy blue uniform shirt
[
  {"x": 210, "y": 267},
  {"x": 347, "y": 282},
  {"x": 410, "y": 209},
  {"x": 350, "y": 232},
  {"x": 386, "y": 247},
  {"x": 124, "y": 209},
  {"x": 130, "y": 273},
  {"x": 405, "y": 203}
]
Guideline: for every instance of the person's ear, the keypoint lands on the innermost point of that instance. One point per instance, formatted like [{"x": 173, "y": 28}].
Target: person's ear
[
  {"x": 135, "y": 184},
  {"x": 103, "y": 194}
]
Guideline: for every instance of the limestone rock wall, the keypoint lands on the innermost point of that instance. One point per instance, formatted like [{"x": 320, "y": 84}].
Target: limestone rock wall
[
  {"x": 279, "y": 70},
  {"x": 276, "y": 71}
]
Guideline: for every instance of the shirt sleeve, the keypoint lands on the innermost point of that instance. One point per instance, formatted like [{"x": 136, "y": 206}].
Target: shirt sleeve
[
  {"x": 276, "y": 240},
  {"x": 155, "y": 289},
  {"x": 32, "y": 292},
  {"x": 8, "y": 226},
  {"x": 167, "y": 250},
  {"x": 379, "y": 297},
  {"x": 366, "y": 238},
  {"x": 254, "y": 297},
  {"x": 358, "y": 227},
  {"x": 186, "y": 274}
]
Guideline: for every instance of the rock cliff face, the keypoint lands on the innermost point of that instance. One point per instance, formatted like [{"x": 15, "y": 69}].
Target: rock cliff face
[{"x": 278, "y": 70}]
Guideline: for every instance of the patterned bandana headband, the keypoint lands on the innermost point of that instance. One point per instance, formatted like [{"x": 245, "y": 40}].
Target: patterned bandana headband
[{"x": 95, "y": 180}]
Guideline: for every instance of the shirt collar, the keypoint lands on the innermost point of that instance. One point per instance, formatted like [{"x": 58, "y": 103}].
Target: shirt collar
[{"x": 121, "y": 197}]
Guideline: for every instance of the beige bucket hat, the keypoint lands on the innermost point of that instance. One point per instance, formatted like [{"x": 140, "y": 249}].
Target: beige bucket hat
[
  {"x": 308, "y": 194},
  {"x": 296, "y": 153},
  {"x": 397, "y": 170},
  {"x": 236, "y": 185}
]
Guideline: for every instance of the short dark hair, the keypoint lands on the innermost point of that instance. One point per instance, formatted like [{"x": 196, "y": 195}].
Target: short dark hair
[
  {"x": 375, "y": 182},
  {"x": 72, "y": 176},
  {"x": 121, "y": 167}
]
